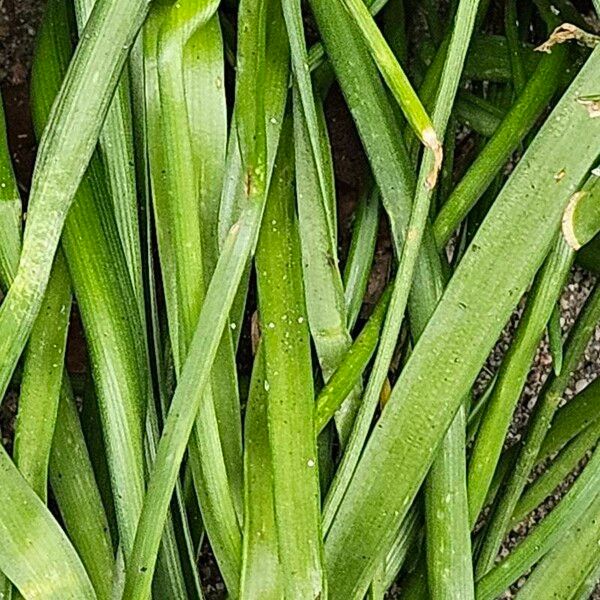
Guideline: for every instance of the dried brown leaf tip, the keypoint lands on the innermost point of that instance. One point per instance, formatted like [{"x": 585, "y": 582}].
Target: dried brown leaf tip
[
  {"x": 592, "y": 103},
  {"x": 568, "y": 220},
  {"x": 567, "y": 32},
  {"x": 431, "y": 141}
]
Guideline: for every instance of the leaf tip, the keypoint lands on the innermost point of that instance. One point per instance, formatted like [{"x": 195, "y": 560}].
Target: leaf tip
[
  {"x": 568, "y": 220},
  {"x": 431, "y": 141}
]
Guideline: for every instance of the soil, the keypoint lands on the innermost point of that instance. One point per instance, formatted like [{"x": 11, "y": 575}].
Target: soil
[{"x": 19, "y": 20}]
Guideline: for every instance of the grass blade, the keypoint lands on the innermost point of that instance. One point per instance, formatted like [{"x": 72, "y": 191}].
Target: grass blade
[
  {"x": 513, "y": 128},
  {"x": 105, "y": 295},
  {"x": 41, "y": 383},
  {"x": 351, "y": 368},
  {"x": 237, "y": 249},
  {"x": 555, "y": 474},
  {"x": 572, "y": 419},
  {"x": 540, "y": 421},
  {"x": 260, "y": 578},
  {"x": 513, "y": 374},
  {"x": 116, "y": 147},
  {"x": 561, "y": 572},
  {"x": 10, "y": 210},
  {"x": 360, "y": 254},
  {"x": 399, "y": 85},
  {"x": 71, "y": 474},
  {"x": 555, "y": 339},
  {"x": 546, "y": 535},
  {"x": 523, "y": 226},
  {"x": 65, "y": 151},
  {"x": 289, "y": 386},
  {"x": 325, "y": 304},
  {"x": 207, "y": 111},
  {"x": 43, "y": 564},
  {"x": 175, "y": 193}
]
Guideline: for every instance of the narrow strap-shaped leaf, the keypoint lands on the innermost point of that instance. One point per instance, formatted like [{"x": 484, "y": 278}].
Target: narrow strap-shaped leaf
[
  {"x": 260, "y": 577},
  {"x": 540, "y": 421},
  {"x": 352, "y": 366},
  {"x": 590, "y": 583},
  {"x": 571, "y": 419},
  {"x": 410, "y": 530},
  {"x": 99, "y": 271},
  {"x": 311, "y": 129},
  {"x": 449, "y": 564},
  {"x": 555, "y": 342},
  {"x": 513, "y": 374},
  {"x": 399, "y": 85},
  {"x": 360, "y": 253},
  {"x": 175, "y": 193},
  {"x": 277, "y": 78},
  {"x": 177, "y": 539},
  {"x": 513, "y": 128},
  {"x": 325, "y": 304},
  {"x": 188, "y": 395},
  {"x": 65, "y": 151},
  {"x": 402, "y": 285},
  {"x": 478, "y": 114},
  {"x": 375, "y": 120},
  {"x": 449, "y": 544},
  {"x": 511, "y": 27},
  {"x": 546, "y": 534},
  {"x": 42, "y": 378},
  {"x": 10, "y": 211},
  {"x": 235, "y": 253},
  {"x": 76, "y": 491},
  {"x": 555, "y": 473},
  {"x": 582, "y": 217},
  {"x": 289, "y": 386},
  {"x": 42, "y": 563},
  {"x": 84, "y": 519},
  {"x": 116, "y": 146},
  {"x": 207, "y": 113},
  {"x": 560, "y": 573},
  {"x": 521, "y": 223}
]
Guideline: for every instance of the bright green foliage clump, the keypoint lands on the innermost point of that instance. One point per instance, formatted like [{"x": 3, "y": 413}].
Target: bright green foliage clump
[{"x": 243, "y": 396}]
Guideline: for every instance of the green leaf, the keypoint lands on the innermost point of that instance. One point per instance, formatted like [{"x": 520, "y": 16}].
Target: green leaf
[
  {"x": 571, "y": 419},
  {"x": 539, "y": 423},
  {"x": 361, "y": 253},
  {"x": 352, "y": 366},
  {"x": 555, "y": 474},
  {"x": 546, "y": 535},
  {"x": 513, "y": 374},
  {"x": 555, "y": 342},
  {"x": 42, "y": 378},
  {"x": 470, "y": 315},
  {"x": 560, "y": 573},
  {"x": 176, "y": 202},
  {"x": 42, "y": 563},
  {"x": 513, "y": 128},
  {"x": 399, "y": 84},
  {"x": 235, "y": 253},
  {"x": 10, "y": 211},
  {"x": 71, "y": 473},
  {"x": 325, "y": 304},
  {"x": 64, "y": 153},
  {"x": 289, "y": 386},
  {"x": 260, "y": 577},
  {"x": 207, "y": 113},
  {"x": 581, "y": 221},
  {"x": 104, "y": 293},
  {"x": 116, "y": 147}
]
